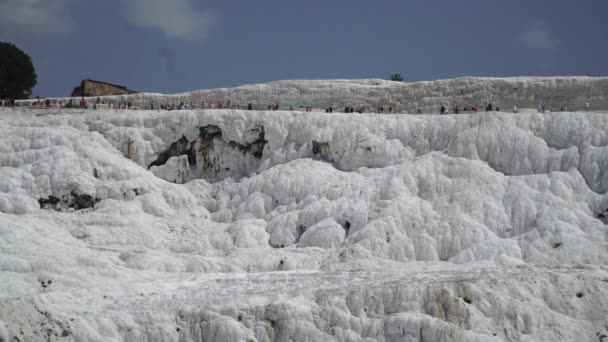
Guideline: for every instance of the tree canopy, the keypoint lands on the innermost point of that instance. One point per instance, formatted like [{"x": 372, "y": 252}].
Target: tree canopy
[
  {"x": 17, "y": 74},
  {"x": 396, "y": 77}
]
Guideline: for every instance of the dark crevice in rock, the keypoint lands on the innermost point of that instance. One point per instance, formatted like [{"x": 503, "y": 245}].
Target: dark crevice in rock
[
  {"x": 49, "y": 202},
  {"x": 178, "y": 148},
  {"x": 321, "y": 149},
  {"x": 206, "y": 136},
  {"x": 603, "y": 216},
  {"x": 256, "y": 148},
  {"x": 346, "y": 227},
  {"x": 74, "y": 200},
  {"x": 300, "y": 230},
  {"x": 201, "y": 153},
  {"x": 83, "y": 201},
  {"x": 209, "y": 132}
]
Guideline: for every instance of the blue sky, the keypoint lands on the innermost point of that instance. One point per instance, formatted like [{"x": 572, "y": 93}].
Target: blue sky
[{"x": 179, "y": 45}]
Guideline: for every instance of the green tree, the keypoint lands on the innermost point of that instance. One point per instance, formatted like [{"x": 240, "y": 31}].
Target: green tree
[
  {"x": 396, "y": 77},
  {"x": 17, "y": 74}
]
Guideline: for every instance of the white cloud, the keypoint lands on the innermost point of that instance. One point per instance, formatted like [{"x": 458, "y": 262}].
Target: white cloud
[
  {"x": 175, "y": 18},
  {"x": 539, "y": 37},
  {"x": 36, "y": 18}
]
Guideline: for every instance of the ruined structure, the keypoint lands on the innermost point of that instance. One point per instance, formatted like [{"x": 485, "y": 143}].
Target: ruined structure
[{"x": 96, "y": 88}]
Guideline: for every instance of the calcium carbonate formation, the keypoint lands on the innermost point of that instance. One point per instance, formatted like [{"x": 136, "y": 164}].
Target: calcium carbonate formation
[{"x": 237, "y": 225}]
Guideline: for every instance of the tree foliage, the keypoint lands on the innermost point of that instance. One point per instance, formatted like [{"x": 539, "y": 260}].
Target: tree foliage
[
  {"x": 396, "y": 77},
  {"x": 17, "y": 74}
]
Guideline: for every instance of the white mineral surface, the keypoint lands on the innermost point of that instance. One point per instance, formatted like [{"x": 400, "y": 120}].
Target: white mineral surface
[{"x": 230, "y": 225}]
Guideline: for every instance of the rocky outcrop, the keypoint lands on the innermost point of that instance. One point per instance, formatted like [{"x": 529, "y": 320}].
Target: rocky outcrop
[{"x": 211, "y": 157}]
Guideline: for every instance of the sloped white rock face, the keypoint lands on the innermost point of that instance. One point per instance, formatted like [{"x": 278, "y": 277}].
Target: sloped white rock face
[
  {"x": 325, "y": 234},
  {"x": 354, "y": 227},
  {"x": 369, "y": 94}
]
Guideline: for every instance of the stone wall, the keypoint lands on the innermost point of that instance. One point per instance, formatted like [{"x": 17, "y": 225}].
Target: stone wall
[{"x": 97, "y": 88}]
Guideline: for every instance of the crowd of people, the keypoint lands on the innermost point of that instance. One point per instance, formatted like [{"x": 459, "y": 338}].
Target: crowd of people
[
  {"x": 100, "y": 103},
  {"x": 542, "y": 108},
  {"x": 489, "y": 108},
  {"x": 350, "y": 109},
  {"x": 7, "y": 102},
  {"x": 466, "y": 109}
]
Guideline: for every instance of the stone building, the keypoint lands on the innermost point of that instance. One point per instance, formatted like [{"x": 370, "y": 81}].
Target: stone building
[{"x": 97, "y": 88}]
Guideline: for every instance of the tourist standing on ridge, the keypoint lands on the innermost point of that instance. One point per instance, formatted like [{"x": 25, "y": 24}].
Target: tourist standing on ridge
[
  {"x": 586, "y": 106},
  {"x": 514, "y": 109}
]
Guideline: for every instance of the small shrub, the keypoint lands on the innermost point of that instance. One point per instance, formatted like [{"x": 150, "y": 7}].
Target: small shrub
[{"x": 396, "y": 77}]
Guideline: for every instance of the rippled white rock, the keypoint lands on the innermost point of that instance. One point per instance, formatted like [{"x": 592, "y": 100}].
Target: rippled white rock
[{"x": 346, "y": 227}]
